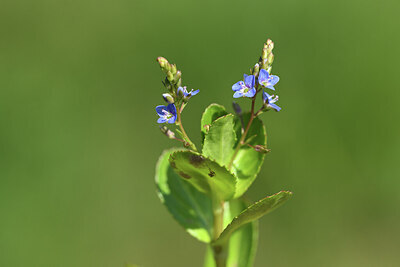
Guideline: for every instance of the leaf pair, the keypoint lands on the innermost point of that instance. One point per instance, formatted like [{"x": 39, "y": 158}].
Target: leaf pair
[{"x": 221, "y": 133}]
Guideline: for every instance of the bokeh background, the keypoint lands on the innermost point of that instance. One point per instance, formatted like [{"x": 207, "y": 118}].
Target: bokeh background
[{"x": 79, "y": 138}]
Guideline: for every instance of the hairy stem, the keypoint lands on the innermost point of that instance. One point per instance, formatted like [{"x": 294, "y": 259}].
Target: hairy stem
[
  {"x": 185, "y": 136},
  {"x": 241, "y": 141},
  {"x": 219, "y": 251}
]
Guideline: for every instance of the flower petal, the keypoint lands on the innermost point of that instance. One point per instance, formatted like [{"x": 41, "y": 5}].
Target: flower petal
[
  {"x": 195, "y": 92},
  {"x": 273, "y": 79},
  {"x": 159, "y": 109},
  {"x": 263, "y": 76},
  {"x": 251, "y": 92},
  {"x": 171, "y": 109},
  {"x": 277, "y": 108},
  {"x": 250, "y": 81},
  {"x": 172, "y": 120},
  {"x": 237, "y": 86},
  {"x": 237, "y": 94},
  {"x": 161, "y": 120},
  {"x": 266, "y": 97}
]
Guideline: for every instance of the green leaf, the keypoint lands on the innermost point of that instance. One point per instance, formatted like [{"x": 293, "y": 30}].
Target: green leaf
[
  {"x": 204, "y": 174},
  {"x": 248, "y": 162},
  {"x": 254, "y": 212},
  {"x": 243, "y": 242},
  {"x": 210, "y": 114},
  {"x": 219, "y": 143},
  {"x": 191, "y": 208}
]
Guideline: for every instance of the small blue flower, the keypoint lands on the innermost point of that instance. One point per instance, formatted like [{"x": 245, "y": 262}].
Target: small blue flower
[
  {"x": 186, "y": 94},
  {"x": 267, "y": 80},
  {"x": 166, "y": 113},
  {"x": 246, "y": 88},
  {"x": 269, "y": 100}
]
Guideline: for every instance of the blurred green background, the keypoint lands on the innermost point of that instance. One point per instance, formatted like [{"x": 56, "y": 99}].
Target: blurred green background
[{"x": 79, "y": 138}]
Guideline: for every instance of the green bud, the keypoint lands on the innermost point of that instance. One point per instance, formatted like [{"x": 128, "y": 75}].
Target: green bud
[
  {"x": 256, "y": 70},
  {"x": 270, "y": 45},
  {"x": 168, "y": 98},
  {"x": 177, "y": 76},
  {"x": 179, "y": 82},
  {"x": 163, "y": 63},
  {"x": 270, "y": 58},
  {"x": 170, "y": 76},
  {"x": 264, "y": 53},
  {"x": 173, "y": 68}
]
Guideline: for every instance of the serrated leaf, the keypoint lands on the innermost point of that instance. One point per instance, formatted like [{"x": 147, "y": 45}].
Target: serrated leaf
[
  {"x": 210, "y": 114},
  {"x": 191, "y": 208},
  {"x": 219, "y": 143},
  {"x": 248, "y": 162},
  {"x": 243, "y": 242},
  {"x": 254, "y": 212},
  {"x": 204, "y": 174}
]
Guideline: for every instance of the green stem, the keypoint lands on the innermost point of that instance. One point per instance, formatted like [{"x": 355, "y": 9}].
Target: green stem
[
  {"x": 185, "y": 136},
  {"x": 219, "y": 251},
  {"x": 241, "y": 141}
]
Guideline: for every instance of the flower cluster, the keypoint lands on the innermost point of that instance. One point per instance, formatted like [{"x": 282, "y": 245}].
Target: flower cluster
[
  {"x": 177, "y": 95},
  {"x": 260, "y": 79}
]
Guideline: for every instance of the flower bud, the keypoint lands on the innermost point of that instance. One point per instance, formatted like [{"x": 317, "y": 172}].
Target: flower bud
[
  {"x": 170, "y": 76},
  {"x": 168, "y": 98},
  {"x": 170, "y": 134},
  {"x": 173, "y": 68},
  {"x": 177, "y": 76},
  {"x": 261, "y": 149},
  {"x": 163, "y": 63},
  {"x": 256, "y": 70},
  {"x": 270, "y": 45},
  {"x": 270, "y": 59}
]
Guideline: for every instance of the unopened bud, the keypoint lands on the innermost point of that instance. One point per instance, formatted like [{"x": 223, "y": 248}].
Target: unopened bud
[
  {"x": 177, "y": 76},
  {"x": 270, "y": 45},
  {"x": 170, "y": 134},
  {"x": 270, "y": 58},
  {"x": 261, "y": 149},
  {"x": 256, "y": 70},
  {"x": 170, "y": 76},
  {"x": 168, "y": 98},
  {"x": 264, "y": 53},
  {"x": 163, "y": 62},
  {"x": 173, "y": 68},
  {"x": 179, "y": 82}
]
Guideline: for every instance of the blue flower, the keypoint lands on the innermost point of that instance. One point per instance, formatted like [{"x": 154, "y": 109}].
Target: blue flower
[
  {"x": 166, "y": 113},
  {"x": 246, "y": 88},
  {"x": 186, "y": 94},
  {"x": 267, "y": 80},
  {"x": 269, "y": 100}
]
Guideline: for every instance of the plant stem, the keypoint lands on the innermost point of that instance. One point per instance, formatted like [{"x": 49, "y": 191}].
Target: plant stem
[
  {"x": 241, "y": 142},
  {"x": 185, "y": 136},
  {"x": 219, "y": 251}
]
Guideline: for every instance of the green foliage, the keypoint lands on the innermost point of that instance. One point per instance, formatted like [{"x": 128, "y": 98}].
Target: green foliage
[
  {"x": 212, "y": 112},
  {"x": 219, "y": 142},
  {"x": 193, "y": 186},
  {"x": 204, "y": 174},
  {"x": 191, "y": 208},
  {"x": 248, "y": 162},
  {"x": 254, "y": 212}
]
